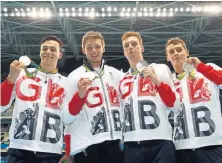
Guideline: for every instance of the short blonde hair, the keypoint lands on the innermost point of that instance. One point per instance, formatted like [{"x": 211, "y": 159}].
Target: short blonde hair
[
  {"x": 92, "y": 35},
  {"x": 132, "y": 33},
  {"x": 175, "y": 41}
]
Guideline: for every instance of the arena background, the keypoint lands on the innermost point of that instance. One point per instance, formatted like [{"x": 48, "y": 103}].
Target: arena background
[{"x": 25, "y": 23}]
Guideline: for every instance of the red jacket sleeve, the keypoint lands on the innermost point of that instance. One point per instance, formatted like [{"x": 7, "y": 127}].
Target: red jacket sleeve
[
  {"x": 166, "y": 94},
  {"x": 67, "y": 146},
  {"x": 209, "y": 72},
  {"x": 76, "y": 104},
  {"x": 6, "y": 92}
]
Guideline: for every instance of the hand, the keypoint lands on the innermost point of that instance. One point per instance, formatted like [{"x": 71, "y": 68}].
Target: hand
[
  {"x": 67, "y": 158},
  {"x": 82, "y": 86},
  {"x": 194, "y": 60},
  {"x": 150, "y": 73},
  {"x": 14, "y": 71}
]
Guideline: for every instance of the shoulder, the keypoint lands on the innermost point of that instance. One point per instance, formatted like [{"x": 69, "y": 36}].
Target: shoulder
[
  {"x": 76, "y": 73},
  {"x": 62, "y": 76},
  {"x": 214, "y": 66},
  {"x": 114, "y": 71},
  {"x": 160, "y": 66}
]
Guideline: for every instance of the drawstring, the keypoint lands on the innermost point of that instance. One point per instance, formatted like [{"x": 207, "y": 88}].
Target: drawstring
[{"x": 84, "y": 152}]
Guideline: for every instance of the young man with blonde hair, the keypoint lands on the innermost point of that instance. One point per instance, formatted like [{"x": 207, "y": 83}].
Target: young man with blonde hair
[
  {"x": 95, "y": 133},
  {"x": 198, "y": 131},
  {"x": 146, "y": 95}
]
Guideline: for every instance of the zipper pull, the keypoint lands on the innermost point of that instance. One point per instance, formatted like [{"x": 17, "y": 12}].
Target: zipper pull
[{"x": 46, "y": 79}]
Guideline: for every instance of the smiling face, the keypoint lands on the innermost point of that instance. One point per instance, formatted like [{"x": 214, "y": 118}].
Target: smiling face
[
  {"x": 132, "y": 48},
  {"x": 50, "y": 53},
  {"x": 93, "y": 49},
  {"x": 176, "y": 54}
]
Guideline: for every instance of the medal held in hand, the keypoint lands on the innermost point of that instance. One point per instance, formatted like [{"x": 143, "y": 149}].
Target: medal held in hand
[
  {"x": 90, "y": 75},
  {"x": 141, "y": 65},
  {"x": 26, "y": 62},
  {"x": 188, "y": 67}
]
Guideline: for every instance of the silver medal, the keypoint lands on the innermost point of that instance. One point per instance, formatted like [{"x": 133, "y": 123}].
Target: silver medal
[
  {"x": 90, "y": 75},
  {"x": 25, "y": 60},
  {"x": 141, "y": 65},
  {"x": 188, "y": 67}
]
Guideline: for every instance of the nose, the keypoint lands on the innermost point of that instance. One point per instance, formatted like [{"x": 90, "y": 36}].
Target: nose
[
  {"x": 48, "y": 50},
  {"x": 93, "y": 49},
  {"x": 175, "y": 53},
  {"x": 130, "y": 46}
]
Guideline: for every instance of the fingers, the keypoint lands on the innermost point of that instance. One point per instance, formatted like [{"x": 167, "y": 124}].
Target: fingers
[
  {"x": 16, "y": 64},
  {"x": 190, "y": 60},
  {"x": 147, "y": 71},
  {"x": 84, "y": 81}
]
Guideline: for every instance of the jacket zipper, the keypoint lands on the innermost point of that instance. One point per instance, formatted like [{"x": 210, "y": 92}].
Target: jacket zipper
[{"x": 107, "y": 106}]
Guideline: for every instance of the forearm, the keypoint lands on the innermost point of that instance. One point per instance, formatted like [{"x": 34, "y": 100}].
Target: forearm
[
  {"x": 76, "y": 104},
  {"x": 167, "y": 95},
  {"x": 210, "y": 73},
  {"x": 6, "y": 92}
]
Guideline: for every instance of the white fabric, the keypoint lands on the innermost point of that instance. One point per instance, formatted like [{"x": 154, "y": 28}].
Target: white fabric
[
  {"x": 198, "y": 123},
  {"x": 94, "y": 124},
  {"x": 145, "y": 114},
  {"x": 36, "y": 123}
]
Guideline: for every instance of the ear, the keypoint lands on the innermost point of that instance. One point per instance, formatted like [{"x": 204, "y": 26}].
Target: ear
[
  {"x": 83, "y": 51},
  {"x": 142, "y": 49},
  {"x": 125, "y": 55},
  {"x": 60, "y": 55},
  {"x": 187, "y": 53},
  {"x": 167, "y": 58}
]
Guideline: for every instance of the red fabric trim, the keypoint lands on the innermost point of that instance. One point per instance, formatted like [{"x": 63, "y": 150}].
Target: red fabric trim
[
  {"x": 210, "y": 73},
  {"x": 76, "y": 104},
  {"x": 67, "y": 139},
  {"x": 6, "y": 93},
  {"x": 166, "y": 94}
]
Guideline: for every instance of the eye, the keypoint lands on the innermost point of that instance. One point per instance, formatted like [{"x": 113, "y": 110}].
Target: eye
[
  {"x": 126, "y": 45},
  {"x": 179, "y": 50},
  {"x": 44, "y": 49},
  {"x": 98, "y": 46},
  {"x": 88, "y": 48},
  {"x": 53, "y": 50},
  {"x": 134, "y": 44},
  {"x": 171, "y": 52}
]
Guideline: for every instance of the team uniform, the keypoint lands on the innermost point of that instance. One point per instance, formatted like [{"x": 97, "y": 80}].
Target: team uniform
[
  {"x": 198, "y": 131},
  {"x": 36, "y": 131},
  {"x": 147, "y": 132},
  {"x": 94, "y": 122}
]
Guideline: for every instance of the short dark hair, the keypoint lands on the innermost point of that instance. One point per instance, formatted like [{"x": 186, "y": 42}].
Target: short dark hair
[{"x": 54, "y": 38}]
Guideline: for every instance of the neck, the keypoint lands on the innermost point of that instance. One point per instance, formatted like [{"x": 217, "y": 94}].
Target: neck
[
  {"x": 48, "y": 67},
  {"x": 96, "y": 64},
  {"x": 178, "y": 69},
  {"x": 134, "y": 62}
]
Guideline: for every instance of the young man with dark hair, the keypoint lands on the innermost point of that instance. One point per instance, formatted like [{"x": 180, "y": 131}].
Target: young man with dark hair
[
  {"x": 147, "y": 92},
  {"x": 36, "y": 133},
  {"x": 198, "y": 131},
  {"x": 95, "y": 133}
]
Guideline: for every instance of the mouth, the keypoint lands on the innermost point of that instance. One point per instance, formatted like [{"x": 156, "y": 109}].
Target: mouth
[
  {"x": 176, "y": 59},
  {"x": 95, "y": 55},
  {"x": 131, "y": 52},
  {"x": 47, "y": 56}
]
